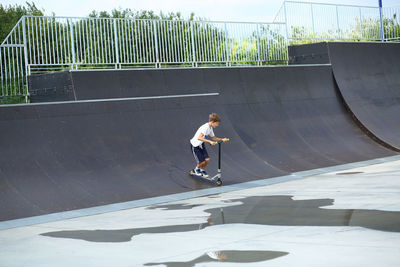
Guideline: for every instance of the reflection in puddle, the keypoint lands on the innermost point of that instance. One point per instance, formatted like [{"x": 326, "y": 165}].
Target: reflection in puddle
[
  {"x": 347, "y": 173},
  {"x": 262, "y": 210},
  {"x": 173, "y": 207},
  {"x": 233, "y": 256}
]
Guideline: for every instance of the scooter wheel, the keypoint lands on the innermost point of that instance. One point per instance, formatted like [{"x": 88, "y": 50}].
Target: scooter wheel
[{"x": 219, "y": 182}]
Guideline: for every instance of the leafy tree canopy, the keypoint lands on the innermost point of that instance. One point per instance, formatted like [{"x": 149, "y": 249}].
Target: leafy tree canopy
[
  {"x": 142, "y": 14},
  {"x": 10, "y": 15}
]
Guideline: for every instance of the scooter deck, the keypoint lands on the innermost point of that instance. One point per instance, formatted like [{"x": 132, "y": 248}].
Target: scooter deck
[{"x": 216, "y": 181}]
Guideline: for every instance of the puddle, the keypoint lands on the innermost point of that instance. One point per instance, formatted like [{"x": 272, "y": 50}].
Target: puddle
[
  {"x": 123, "y": 235},
  {"x": 232, "y": 256},
  {"x": 346, "y": 173},
  {"x": 173, "y": 207},
  {"x": 261, "y": 210}
]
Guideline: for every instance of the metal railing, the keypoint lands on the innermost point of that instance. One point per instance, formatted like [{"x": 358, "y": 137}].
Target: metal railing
[
  {"x": 315, "y": 22},
  {"x": 13, "y": 63},
  {"x": 45, "y": 44},
  {"x": 391, "y": 23}
]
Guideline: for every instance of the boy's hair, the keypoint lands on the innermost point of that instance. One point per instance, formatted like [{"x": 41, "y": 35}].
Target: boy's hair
[{"x": 214, "y": 117}]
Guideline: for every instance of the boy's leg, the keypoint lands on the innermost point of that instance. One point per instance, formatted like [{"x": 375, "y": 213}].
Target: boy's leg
[
  {"x": 205, "y": 156},
  {"x": 202, "y": 158},
  {"x": 203, "y": 165},
  {"x": 205, "y": 162},
  {"x": 199, "y": 157}
]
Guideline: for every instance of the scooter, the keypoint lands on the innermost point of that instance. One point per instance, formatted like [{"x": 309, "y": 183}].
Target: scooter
[{"x": 216, "y": 178}]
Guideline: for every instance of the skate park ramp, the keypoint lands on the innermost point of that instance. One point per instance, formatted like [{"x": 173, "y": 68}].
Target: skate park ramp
[
  {"x": 368, "y": 76},
  {"x": 65, "y": 86},
  {"x": 71, "y": 155}
]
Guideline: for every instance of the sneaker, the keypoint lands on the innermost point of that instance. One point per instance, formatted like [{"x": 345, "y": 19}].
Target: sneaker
[
  {"x": 205, "y": 175},
  {"x": 198, "y": 172}
]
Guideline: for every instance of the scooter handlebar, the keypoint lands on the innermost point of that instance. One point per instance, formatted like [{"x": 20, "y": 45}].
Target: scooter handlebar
[
  {"x": 222, "y": 141},
  {"x": 213, "y": 143}
]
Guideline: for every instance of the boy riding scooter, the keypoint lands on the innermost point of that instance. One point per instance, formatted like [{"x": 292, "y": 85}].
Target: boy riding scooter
[{"x": 197, "y": 145}]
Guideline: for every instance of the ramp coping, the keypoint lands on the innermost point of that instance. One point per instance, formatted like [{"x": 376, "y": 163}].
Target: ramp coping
[
  {"x": 203, "y": 67},
  {"x": 111, "y": 99}
]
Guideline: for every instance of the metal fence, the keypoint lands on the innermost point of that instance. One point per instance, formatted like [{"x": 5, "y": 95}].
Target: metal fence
[
  {"x": 314, "y": 22},
  {"x": 13, "y": 63},
  {"x": 391, "y": 23},
  {"x": 44, "y": 44}
]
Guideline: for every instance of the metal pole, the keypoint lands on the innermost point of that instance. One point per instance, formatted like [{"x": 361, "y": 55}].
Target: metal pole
[
  {"x": 287, "y": 33},
  {"x": 361, "y": 26},
  {"x": 219, "y": 156},
  {"x": 286, "y": 23},
  {"x": 1, "y": 71},
  {"x": 338, "y": 25},
  {"x": 72, "y": 42},
  {"x": 258, "y": 45},
  {"x": 193, "y": 49},
  {"x": 27, "y": 71},
  {"x": 116, "y": 44},
  {"x": 312, "y": 17},
  {"x": 381, "y": 18},
  {"x": 156, "y": 42},
  {"x": 226, "y": 44}
]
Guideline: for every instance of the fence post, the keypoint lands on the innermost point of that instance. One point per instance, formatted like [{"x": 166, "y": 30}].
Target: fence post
[
  {"x": 381, "y": 19},
  {"x": 226, "y": 44},
  {"x": 1, "y": 72},
  {"x": 194, "y": 64},
  {"x": 258, "y": 44},
  {"x": 312, "y": 18},
  {"x": 116, "y": 44},
  {"x": 338, "y": 25},
  {"x": 361, "y": 25},
  {"x": 286, "y": 23},
  {"x": 27, "y": 71},
  {"x": 156, "y": 42},
  {"x": 72, "y": 42}
]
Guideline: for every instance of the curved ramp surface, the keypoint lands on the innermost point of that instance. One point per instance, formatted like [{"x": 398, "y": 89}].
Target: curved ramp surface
[
  {"x": 64, "y": 156},
  {"x": 292, "y": 117},
  {"x": 59, "y": 157},
  {"x": 368, "y": 76}
]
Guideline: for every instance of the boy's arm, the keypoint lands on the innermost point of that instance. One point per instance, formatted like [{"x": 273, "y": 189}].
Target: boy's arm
[
  {"x": 201, "y": 138},
  {"x": 217, "y": 139}
]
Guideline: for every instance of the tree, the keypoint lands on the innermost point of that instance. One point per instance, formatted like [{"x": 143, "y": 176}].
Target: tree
[
  {"x": 142, "y": 14},
  {"x": 10, "y": 15}
]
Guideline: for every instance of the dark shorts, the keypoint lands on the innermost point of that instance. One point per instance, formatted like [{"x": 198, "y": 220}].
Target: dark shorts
[{"x": 199, "y": 152}]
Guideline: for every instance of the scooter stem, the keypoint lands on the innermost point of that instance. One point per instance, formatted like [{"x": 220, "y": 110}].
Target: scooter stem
[{"x": 219, "y": 157}]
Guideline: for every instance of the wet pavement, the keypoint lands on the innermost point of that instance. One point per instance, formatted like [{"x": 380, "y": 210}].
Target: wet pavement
[
  {"x": 342, "y": 218},
  {"x": 231, "y": 256},
  {"x": 263, "y": 210}
]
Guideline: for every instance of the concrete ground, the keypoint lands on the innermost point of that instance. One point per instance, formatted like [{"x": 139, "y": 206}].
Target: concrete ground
[{"x": 340, "y": 216}]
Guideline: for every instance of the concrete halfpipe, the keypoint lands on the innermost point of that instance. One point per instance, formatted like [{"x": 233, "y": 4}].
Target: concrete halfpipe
[
  {"x": 368, "y": 76},
  {"x": 71, "y": 155}
]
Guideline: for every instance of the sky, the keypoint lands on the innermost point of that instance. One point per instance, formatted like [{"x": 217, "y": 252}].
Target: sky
[{"x": 215, "y": 10}]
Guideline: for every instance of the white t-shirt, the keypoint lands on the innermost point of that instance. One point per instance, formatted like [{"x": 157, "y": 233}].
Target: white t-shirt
[{"x": 205, "y": 129}]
